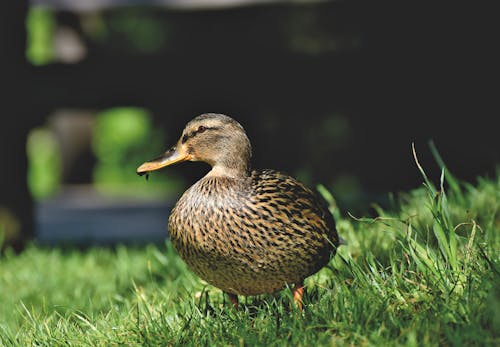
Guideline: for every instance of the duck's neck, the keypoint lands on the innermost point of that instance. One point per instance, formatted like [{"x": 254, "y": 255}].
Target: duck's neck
[
  {"x": 234, "y": 163},
  {"x": 221, "y": 171}
]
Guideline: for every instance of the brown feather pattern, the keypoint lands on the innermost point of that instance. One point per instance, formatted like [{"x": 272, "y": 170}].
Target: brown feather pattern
[{"x": 253, "y": 234}]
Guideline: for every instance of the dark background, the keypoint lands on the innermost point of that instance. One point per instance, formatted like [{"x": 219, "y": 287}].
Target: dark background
[{"x": 333, "y": 92}]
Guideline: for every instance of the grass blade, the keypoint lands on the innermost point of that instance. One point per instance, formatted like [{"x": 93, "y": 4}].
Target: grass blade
[
  {"x": 450, "y": 179},
  {"x": 428, "y": 182}
]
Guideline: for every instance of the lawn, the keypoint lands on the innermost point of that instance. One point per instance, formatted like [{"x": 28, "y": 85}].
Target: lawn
[{"x": 425, "y": 271}]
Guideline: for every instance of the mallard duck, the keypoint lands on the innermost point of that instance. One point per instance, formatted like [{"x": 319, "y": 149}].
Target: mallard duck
[{"x": 245, "y": 231}]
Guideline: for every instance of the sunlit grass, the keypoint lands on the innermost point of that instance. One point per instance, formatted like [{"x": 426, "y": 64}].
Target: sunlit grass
[{"x": 425, "y": 272}]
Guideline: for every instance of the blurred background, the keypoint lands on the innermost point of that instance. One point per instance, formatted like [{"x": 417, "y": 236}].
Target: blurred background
[{"x": 332, "y": 92}]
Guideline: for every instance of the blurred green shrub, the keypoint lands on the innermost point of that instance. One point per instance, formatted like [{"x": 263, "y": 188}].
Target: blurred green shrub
[
  {"x": 44, "y": 163},
  {"x": 9, "y": 226},
  {"x": 137, "y": 30},
  {"x": 40, "y": 26},
  {"x": 123, "y": 139}
]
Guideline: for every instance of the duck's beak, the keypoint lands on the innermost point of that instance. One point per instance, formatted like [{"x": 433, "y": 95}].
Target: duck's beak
[{"x": 172, "y": 156}]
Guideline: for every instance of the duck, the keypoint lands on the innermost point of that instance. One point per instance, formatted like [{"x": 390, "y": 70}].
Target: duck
[{"x": 245, "y": 231}]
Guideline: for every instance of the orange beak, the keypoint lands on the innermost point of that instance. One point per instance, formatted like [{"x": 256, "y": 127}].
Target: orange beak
[{"x": 172, "y": 156}]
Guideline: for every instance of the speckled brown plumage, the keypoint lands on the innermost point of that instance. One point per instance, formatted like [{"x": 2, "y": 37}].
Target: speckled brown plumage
[
  {"x": 252, "y": 235},
  {"x": 245, "y": 232}
]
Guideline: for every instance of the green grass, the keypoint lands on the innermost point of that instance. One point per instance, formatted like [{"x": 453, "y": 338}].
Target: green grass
[{"x": 424, "y": 272}]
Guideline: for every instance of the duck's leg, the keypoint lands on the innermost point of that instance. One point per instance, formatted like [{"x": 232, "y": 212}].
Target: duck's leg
[
  {"x": 234, "y": 299},
  {"x": 298, "y": 292}
]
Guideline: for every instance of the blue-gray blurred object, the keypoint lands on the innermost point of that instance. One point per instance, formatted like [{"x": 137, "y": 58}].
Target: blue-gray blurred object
[{"x": 81, "y": 216}]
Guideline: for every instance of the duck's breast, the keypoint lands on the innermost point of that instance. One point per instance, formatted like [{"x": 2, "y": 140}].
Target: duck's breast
[{"x": 250, "y": 236}]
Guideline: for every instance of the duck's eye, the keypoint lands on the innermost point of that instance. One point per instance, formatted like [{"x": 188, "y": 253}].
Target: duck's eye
[{"x": 201, "y": 129}]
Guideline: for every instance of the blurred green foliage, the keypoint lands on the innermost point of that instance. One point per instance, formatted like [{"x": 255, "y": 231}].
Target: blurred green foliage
[
  {"x": 128, "y": 31},
  {"x": 44, "y": 163},
  {"x": 137, "y": 30},
  {"x": 122, "y": 139},
  {"x": 40, "y": 26},
  {"x": 9, "y": 225},
  {"x": 119, "y": 128}
]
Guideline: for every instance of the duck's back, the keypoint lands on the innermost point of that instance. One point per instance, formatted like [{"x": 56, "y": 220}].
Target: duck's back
[{"x": 252, "y": 235}]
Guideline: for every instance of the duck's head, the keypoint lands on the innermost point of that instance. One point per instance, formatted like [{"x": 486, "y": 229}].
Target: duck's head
[{"x": 213, "y": 138}]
